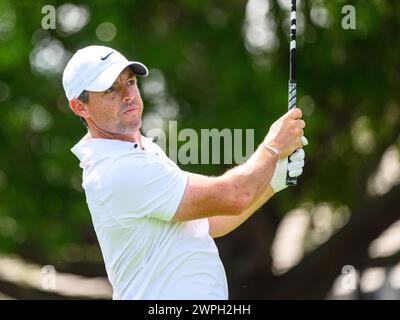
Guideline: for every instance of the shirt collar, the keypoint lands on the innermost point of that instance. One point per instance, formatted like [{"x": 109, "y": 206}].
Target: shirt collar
[{"x": 88, "y": 148}]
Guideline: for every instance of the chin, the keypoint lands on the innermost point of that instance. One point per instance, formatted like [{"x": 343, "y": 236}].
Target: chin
[{"x": 130, "y": 127}]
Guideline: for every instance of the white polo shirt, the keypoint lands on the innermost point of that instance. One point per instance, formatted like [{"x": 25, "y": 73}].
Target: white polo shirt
[{"x": 132, "y": 195}]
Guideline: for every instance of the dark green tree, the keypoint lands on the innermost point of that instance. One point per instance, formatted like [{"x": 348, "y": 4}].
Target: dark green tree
[{"x": 222, "y": 73}]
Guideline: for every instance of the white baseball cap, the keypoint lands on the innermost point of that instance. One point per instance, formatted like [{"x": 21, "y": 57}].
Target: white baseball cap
[{"x": 95, "y": 68}]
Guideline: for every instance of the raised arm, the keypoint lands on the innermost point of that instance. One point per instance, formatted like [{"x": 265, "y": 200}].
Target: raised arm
[
  {"x": 222, "y": 225},
  {"x": 236, "y": 190}
]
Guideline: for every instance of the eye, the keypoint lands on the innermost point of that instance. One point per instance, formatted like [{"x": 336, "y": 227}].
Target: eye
[
  {"x": 110, "y": 90},
  {"x": 132, "y": 82}
]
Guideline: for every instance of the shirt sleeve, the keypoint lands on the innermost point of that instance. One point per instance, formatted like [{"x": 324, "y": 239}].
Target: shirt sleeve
[{"x": 144, "y": 185}]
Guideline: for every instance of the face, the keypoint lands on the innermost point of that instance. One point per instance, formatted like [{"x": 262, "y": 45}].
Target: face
[{"x": 117, "y": 110}]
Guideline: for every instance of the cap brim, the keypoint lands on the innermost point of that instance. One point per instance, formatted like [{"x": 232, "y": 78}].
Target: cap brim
[
  {"x": 139, "y": 68},
  {"x": 108, "y": 76}
]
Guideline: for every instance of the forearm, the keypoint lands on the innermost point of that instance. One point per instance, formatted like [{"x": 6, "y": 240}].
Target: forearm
[
  {"x": 245, "y": 183},
  {"x": 222, "y": 225},
  {"x": 250, "y": 180},
  {"x": 232, "y": 193}
]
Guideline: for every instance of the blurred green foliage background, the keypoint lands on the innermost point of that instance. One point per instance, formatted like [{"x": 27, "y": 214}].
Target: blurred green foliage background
[{"x": 213, "y": 64}]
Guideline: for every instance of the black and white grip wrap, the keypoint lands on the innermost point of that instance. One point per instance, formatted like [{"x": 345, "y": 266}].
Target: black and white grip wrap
[
  {"x": 292, "y": 95},
  {"x": 292, "y": 73}
]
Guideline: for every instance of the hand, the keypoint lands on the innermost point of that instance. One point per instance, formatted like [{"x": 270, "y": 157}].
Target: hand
[
  {"x": 295, "y": 168},
  {"x": 285, "y": 133}
]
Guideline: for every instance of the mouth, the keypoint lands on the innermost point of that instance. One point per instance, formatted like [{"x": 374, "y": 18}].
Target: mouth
[{"x": 131, "y": 109}]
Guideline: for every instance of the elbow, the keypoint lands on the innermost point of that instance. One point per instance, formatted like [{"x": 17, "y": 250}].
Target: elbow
[
  {"x": 233, "y": 209},
  {"x": 239, "y": 200},
  {"x": 244, "y": 201},
  {"x": 216, "y": 235}
]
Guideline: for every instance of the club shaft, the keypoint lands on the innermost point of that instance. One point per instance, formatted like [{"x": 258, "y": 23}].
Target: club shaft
[{"x": 292, "y": 73}]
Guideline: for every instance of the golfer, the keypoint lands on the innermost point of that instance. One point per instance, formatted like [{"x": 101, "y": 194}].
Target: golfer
[{"x": 155, "y": 223}]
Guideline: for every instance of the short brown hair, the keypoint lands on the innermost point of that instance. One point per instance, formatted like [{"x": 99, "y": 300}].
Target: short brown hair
[{"x": 84, "y": 98}]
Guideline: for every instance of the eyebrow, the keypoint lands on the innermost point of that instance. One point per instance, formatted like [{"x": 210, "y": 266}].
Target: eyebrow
[{"x": 129, "y": 77}]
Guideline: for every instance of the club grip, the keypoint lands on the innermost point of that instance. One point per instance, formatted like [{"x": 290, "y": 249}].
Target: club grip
[{"x": 291, "y": 104}]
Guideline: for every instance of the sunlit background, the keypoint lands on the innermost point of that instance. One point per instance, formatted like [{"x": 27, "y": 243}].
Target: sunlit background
[{"x": 212, "y": 65}]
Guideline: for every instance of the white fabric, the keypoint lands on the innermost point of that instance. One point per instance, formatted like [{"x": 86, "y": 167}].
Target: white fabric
[
  {"x": 95, "y": 68},
  {"x": 304, "y": 141},
  {"x": 132, "y": 195}
]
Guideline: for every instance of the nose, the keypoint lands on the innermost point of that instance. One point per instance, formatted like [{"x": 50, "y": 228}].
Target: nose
[{"x": 128, "y": 93}]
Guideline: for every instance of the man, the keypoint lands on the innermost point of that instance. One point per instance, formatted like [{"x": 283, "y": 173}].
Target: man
[{"x": 155, "y": 223}]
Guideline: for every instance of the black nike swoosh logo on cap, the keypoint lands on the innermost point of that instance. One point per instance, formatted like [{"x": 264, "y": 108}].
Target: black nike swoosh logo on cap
[{"x": 104, "y": 58}]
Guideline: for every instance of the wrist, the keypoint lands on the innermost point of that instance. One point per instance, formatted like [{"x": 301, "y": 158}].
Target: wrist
[{"x": 273, "y": 150}]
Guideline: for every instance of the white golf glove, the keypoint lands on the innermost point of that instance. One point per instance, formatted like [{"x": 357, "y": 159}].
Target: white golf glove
[{"x": 295, "y": 168}]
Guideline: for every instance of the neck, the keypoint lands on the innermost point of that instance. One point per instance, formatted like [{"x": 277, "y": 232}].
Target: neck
[{"x": 97, "y": 132}]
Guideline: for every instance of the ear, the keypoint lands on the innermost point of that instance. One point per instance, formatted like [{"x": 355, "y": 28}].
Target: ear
[{"x": 79, "y": 108}]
